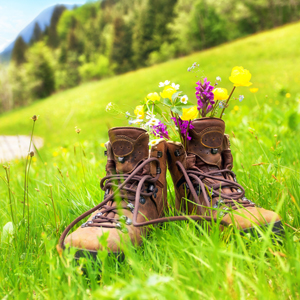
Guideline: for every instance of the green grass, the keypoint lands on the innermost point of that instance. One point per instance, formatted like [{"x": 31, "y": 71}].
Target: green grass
[{"x": 178, "y": 260}]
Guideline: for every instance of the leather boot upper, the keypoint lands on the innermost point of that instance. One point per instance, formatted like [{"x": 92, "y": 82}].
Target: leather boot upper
[
  {"x": 127, "y": 151},
  {"x": 208, "y": 162}
]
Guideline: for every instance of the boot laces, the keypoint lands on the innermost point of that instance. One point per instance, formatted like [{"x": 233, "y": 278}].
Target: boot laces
[
  {"x": 120, "y": 192},
  {"x": 212, "y": 184}
]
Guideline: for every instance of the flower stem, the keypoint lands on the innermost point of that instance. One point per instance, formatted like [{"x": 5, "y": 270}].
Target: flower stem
[
  {"x": 214, "y": 108},
  {"x": 178, "y": 126},
  {"x": 26, "y": 164},
  {"x": 176, "y": 134},
  {"x": 227, "y": 102}
]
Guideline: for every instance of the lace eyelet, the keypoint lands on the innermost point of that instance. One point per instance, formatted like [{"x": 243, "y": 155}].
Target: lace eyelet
[
  {"x": 130, "y": 206},
  {"x": 142, "y": 200}
]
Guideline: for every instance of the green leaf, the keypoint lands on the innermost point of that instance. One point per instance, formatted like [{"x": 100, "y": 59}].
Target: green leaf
[
  {"x": 167, "y": 101},
  {"x": 181, "y": 106},
  {"x": 175, "y": 96},
  {"x": 157, "y": 110},
  {"x": 177, "y": 110}
]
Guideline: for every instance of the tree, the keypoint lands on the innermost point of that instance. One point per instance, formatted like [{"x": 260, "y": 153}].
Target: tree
[
  {"x": 19, "y": 50},
  {"x": 122, "y": 46},
  {"x": 40, "y": 70},
  {"x": 37, "y": 33},
  {"x": 53, "y": 38}
]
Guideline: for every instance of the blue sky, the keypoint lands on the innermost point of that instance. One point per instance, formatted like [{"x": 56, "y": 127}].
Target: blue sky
[{"x": 16, "y": 14}]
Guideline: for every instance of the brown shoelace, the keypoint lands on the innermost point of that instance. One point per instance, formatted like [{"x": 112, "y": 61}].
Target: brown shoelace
[
  {"x": 200, "y": 183},
  {"x": 122, "y": 190}
]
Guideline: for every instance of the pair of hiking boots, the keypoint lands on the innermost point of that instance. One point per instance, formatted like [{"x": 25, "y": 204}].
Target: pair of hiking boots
[{"x": 136, "y": 188}]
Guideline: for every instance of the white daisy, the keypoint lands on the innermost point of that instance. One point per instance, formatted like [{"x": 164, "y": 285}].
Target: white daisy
[
  {"x": 152, "y": 122},
  {"x": 109, "y": 106},
  {"x": 161, "y": 84},
  {"x": 167, "y": 82},
  {"x": 218, "y": 78},
  {"x": 136, "y": 121},
  {"x": 153, "y": 143},
  {"x": 175, "y": 86},
  {"x": 184, "y": 99}
]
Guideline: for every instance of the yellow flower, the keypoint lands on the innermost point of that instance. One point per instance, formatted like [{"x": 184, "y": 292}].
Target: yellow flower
[
  {"x": 153, "y": 97},
  {"x": 253, "y": 90},
  {"x": 139, "y": 112},
  {"x": 168, "y": 92},
  {"x": 189, "y": 113},
  {"x": 102, "y": 145},
  {"x": 288, "y": 95},
  {"x": 236, "y": 108},
  {"x": 220, "y": 94},
  {"x": 240, "y": 77},
  {"x": 55, "y": 153}
]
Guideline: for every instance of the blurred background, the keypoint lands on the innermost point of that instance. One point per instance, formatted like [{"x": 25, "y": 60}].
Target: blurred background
[
  {"x": 66, "y": 62},
  {"x": 67, "y": 44}
]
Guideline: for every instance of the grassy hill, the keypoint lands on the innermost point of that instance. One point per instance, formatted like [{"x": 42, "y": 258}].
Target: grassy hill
[
  {"x": 271, "y": 57},
  {"x": 177, "y": 261}
]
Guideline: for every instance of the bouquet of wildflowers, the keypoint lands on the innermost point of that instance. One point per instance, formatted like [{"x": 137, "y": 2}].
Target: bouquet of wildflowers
[{"x": 168, "y": 114}]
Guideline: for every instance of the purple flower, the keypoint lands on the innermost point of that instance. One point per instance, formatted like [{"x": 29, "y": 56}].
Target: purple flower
[
  {"x": 160, "y": 130},
  {"x": 183, "y": 126},
  {"x": 205, "y": 96}
]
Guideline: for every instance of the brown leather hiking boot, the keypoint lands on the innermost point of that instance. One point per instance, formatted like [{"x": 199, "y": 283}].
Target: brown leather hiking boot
[
  {"x": 135, "y": 193},
  {"x": 203, "y": 175}
]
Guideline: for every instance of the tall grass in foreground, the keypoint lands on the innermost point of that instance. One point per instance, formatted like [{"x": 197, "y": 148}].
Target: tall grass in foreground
[{"x": 176, "y": 261}]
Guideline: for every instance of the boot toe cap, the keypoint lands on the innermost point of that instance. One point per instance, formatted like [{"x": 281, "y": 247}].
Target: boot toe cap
[
  {"x": 251, "y": 216},
  {"x": 88, "y": 239}
]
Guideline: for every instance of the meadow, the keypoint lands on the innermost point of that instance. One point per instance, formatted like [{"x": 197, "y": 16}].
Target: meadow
[{"x": 177, "y": 260}]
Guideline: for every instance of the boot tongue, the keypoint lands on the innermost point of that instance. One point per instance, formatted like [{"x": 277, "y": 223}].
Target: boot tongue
[
  {"x": 129, "y": 147},
  {"x": 207, "y": 136}
]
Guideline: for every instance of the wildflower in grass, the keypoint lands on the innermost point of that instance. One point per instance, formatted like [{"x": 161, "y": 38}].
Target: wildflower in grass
[
  {"x": 222, "y": 104},
  {"x": 168, "y": 92},
  {"x": 189, "y": 69},
  {"x": 167, "y": 82},
  {"x": 153, "y": 143},
  {"x": 220, "y": 94},
  {"x": 77, "y": 130},
  {"x": 241, "y": 98},
  {"x": 184, "y": 99},
  {"x": 161, "y": 84},
  {"x": 288, "y": 95},
  {"x": 175, "y": 86},
  {"x": 102, "y": 145},
  {"x": 153, "y": 97},
  {"x": 139, "y": 111},
  {"x": 236, "y": 108},
  {"x": 183, "y": 126},
  {"x": 218, "y": 78},
  {"x": 240, "y": 77},
  {"x": 109, "y": 106},
  {"x": 189, "y": 113},
  {"x": 55, "y": 153},
  {"x": 160, "y": 130},
  {"x": 127, "y": 114},
  {"x": 34, "y": 118},
  {"x": 253, "y": 90},
  {"x": 205, "y": 96},
  {"x": 136, "y": 121},
  {"x": 152, "y": 122}
]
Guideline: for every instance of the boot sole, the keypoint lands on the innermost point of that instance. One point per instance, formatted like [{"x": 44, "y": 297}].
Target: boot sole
[
  {"x": 277, "y": 229},
  {"x": 93, "y": 255}
]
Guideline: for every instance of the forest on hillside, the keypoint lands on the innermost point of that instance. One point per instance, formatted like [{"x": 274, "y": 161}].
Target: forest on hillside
[{"x": 108, "y": 37}]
